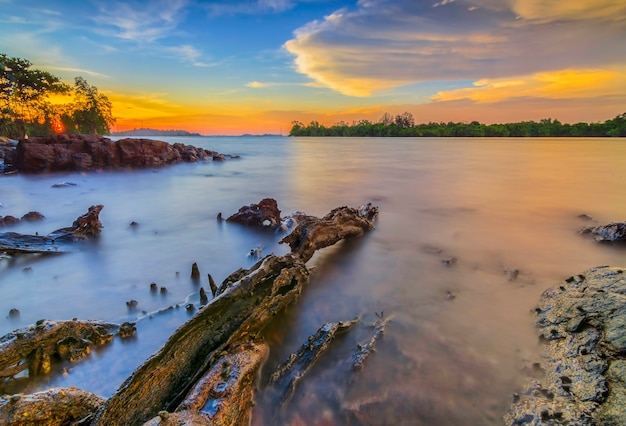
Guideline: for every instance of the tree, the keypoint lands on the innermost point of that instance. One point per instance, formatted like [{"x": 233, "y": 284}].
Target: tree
[
  {"x": 91, "y": 111},
  {"x": 24, "y": 96},
  {"x": 296, "y": 128},
  {"x": 386, "y": 119},
  {"x": 404, "y": 120},
  {"x": 617, "y": 126}
]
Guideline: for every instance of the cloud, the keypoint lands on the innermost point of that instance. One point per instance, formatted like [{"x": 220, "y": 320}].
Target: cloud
[
  {"x": 576, "y": 10},
  {"x": 148, "y": 23},
  {"x": 261, "y": 85},
  {"x": 77, "y": 70},
  {"x": 384, "y": 44},
  {"x": 563, "y": 84},
  {"x": 189, "y": 54},
  {"x": 143, "y": 22},
  {"x": 442, "y": 3},
  {"x": 230, "y": 7},
  {"x": 257, "y": 84}
]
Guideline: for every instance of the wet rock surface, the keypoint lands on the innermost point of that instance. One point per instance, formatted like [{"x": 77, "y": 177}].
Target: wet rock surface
[
  {"x": 611, "y": 233},
  {"x": 52, "y": 407},
  {"x": 93, "y": 152},
  {"x": 265, "y": 213},
  {"x": 85, "y": 226},
  {"x": 582, "y": 326},
  {"x": 35, "y": 347}
]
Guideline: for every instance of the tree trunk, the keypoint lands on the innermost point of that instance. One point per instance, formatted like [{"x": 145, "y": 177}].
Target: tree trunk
[{"x": 205, "y": 372}]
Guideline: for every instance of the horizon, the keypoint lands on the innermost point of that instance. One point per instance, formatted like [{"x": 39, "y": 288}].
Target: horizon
[{"x": 254, "y": 67}]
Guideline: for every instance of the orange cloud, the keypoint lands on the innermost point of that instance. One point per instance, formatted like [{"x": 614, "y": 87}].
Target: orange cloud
[
  {"x": 570, "y": 10},
  {"x": 562, "y": 84},
  {"x": 382, "y": 45}
]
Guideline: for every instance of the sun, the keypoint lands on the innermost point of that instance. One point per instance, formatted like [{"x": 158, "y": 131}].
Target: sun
[{"x": 58, "y": 127}]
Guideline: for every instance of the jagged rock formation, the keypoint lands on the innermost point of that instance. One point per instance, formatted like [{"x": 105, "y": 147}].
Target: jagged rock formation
[
  {"x": 582, "y": 324},
  {"x": 265, "y": 213},
  {"x": 85, "y": 226},
  {"x": 611, "y": 233},
  {"x": 93, "y": 152}
]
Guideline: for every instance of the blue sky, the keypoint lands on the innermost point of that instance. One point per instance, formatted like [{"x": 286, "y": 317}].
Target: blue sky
[{"x": 231, "y": 67}]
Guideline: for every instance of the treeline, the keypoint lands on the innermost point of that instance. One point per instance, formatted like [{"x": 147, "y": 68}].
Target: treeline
[
  {"x": 26, "y": 109},
  {"x": 404, "y": 125}
]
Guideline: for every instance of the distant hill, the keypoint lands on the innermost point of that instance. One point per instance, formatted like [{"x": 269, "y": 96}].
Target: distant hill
[{"x": 154, "y": 132}]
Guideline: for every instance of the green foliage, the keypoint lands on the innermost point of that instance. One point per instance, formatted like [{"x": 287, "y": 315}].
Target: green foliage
[
  {"x": 26, "y": 110},
  {"x": 404, "y": 125},
  {"x": 23, "y": 96},
  {"x": 91, "y": 110}
]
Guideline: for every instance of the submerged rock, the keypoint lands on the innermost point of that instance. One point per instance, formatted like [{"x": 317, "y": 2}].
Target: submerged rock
[
  {"x": 582, "y": 325},
  {"x": 28, "y": 217}
]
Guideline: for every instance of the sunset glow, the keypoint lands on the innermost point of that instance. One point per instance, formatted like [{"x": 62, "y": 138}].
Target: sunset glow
[
  {"x": 255, "y": 66},
  {"x": 58, "y": 127}
]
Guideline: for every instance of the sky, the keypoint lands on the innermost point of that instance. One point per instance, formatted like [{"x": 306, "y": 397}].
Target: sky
[{"x": 230, "y": 67}]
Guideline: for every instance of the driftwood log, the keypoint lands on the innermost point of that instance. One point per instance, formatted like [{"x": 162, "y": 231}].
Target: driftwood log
[
  {"x": 204, "y": 374},
  {"x": 287, "y": 376},
  {"x": 313, "y": 233},
  {"x": 59, "y": 241}
]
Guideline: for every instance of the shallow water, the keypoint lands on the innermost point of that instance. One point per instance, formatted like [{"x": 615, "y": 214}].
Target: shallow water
[{"x": 493, "y": 204}]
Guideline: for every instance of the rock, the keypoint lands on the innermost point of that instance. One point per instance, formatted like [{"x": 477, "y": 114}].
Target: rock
[
  {"x": 63, "y": 184},
  {"x": 203, "y": 297},
  {"x": 54, "y": 406},
  {"x": 33, "y": 347},
  {"x": 29, "y": 217},
  {"x": 582, "y": 324},
  {"x": 92, "y": 152},
  {"x": 14, "y": 313},
  {"x": 87, "y": 225},
  {"x": 449, "y": 261},
  {"x": 7, "y": 156},
  {"x": 212, "y": 285},
  {"x": 195, "y": 271},
  {"x": 264, "y": 214},
  {"x": 511, "y": 273},
  {"x": 33, "y": 216},
  {"x": 613, "y": 232},
  {"x": 126, "y": 330},
  {"x": 8, "y": 220}
]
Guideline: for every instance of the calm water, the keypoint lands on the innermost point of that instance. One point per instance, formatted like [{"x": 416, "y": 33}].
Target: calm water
[{"x": 492, "y": 204}]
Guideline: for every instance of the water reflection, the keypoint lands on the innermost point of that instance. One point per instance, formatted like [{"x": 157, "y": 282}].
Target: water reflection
[{"x": 493, "y": 205}]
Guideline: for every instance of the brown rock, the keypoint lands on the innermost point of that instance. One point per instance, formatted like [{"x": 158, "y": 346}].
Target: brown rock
[
  {"x": 264, "y": 214},
  {"x": 93, "y": 152},
  {"x": 33, "y": 216}
]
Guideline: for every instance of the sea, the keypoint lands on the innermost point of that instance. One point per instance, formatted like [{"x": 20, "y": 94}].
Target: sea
[{"x": 470, "y": 232}]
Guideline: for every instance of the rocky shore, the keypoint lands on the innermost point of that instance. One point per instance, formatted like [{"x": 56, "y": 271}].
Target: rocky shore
[
  {"x": 582, "y": 380},
  {"x": 92, "y": 152}
]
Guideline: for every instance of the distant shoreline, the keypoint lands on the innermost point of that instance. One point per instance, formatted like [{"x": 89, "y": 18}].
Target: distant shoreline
[{"x": 155, "y": 132}]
